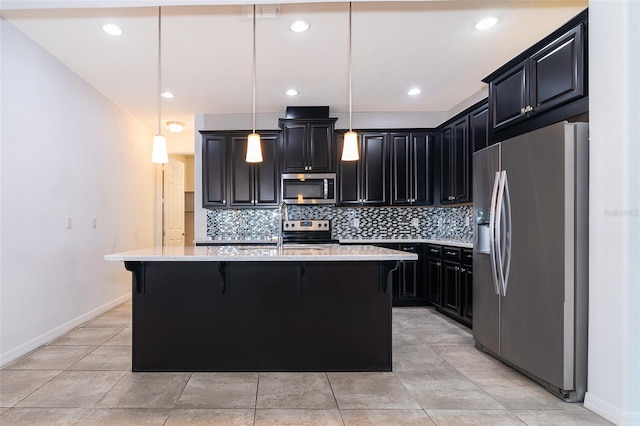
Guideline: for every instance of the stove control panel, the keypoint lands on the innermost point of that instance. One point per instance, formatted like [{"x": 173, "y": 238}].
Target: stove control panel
[{"x": 306, "y": 225}]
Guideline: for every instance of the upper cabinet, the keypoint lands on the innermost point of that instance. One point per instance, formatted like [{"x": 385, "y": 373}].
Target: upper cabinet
[
  {"x": 307, "y": 145},
  {"x": 214, "y": 174},
  {"x": 366, "y": 181},
  {"x": 411, "y": 167},
  {"x": 548, "y": 75},
  {"x": 228, "y": 180},
  {"x": 455, "y": 162},
  {"x": 253, "y": 184},
  {"x": 479, "y": 127}
]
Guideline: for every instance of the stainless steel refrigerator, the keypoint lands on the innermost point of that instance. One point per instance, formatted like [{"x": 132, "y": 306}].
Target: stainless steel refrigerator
[{"x": 530, "y": 255}]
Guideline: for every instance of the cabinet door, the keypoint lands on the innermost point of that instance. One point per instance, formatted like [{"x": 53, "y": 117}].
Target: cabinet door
[
  {"x": 557, "y": 72},
  {"x": 411, "y": 281},
  {"x": 375, "y": 169},
  {"x": 402, "y": 176},
  {"x": 241, "y": 178},
  {"x": 294, "y": 147},
  {"x": 479, "y": 128},
  {"x": 450, "y": 287},
  {"x": 214, "y": 182},
  {"x": 455, "y": 163},
  {"x": 320, "y": 147},
  {"x": 434, "y": 274},
  {"x": 508, "y": 95},
  {"x": 267, "y": 178},
  {"x": 446, "y": 168},
  {"x": 466, "y": 290},
  {"x": 423, "y": 145},
  {"x": 348, "y": 179}
]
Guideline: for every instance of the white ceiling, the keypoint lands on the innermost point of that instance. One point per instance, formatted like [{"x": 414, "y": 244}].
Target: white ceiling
[{"x": 207, "y": 52}]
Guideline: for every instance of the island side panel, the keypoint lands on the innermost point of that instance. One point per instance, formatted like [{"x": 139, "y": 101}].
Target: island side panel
[{"x": 262, "y": 316}]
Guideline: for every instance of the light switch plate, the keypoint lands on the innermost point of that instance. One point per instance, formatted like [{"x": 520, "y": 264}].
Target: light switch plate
[
  {"x": 356, "y": 222},
  {"x": 415, "y": 222}
]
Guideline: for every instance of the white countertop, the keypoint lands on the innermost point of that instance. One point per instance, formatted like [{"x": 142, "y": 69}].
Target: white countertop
[{"x": 292, "y": 253}]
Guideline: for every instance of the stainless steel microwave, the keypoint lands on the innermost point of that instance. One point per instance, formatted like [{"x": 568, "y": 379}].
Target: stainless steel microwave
[{"x": 309, "y": 188}]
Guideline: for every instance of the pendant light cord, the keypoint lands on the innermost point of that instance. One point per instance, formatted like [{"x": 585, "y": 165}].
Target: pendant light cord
[
  {"x": 159, "y": 62},
  {"x": 254, "y": 68},
  {"x": 350, "y": 129}
]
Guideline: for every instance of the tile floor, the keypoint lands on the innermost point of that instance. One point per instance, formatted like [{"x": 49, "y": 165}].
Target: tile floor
[{"x": 438, "y": 378}]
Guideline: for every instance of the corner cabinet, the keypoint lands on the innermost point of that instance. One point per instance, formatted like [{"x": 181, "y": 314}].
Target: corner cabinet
[
  {"x": 365, "y": 182},
  {"x": 411, "y": 168},
  {"x": 253, "y": 184},
  {"x": 549, "y": 74},
  {"x": 455, "y": 162},
  {"x": 307, "y": 145},
  {"x": 228, "y": 180}
]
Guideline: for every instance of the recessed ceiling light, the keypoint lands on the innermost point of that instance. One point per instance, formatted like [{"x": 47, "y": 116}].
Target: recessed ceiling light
[
  {"x": 112, "y": 29},
  {"x": 291, "y": 92},
  {"x": 486, "y": 23},
  {"x": 415, "y": 91},
  {"x": 167, "y": 95},
  {"x": 299, "y": 26}
]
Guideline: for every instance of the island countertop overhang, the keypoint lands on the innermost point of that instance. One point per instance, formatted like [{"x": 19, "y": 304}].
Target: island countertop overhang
[{"x": 311, "y": 253}]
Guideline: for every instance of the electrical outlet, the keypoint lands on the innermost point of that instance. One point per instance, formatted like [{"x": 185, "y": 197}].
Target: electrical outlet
[
  {"x": 69, "y": 222},
  {"x": 467, "y": 221},
  {"x": 356, "y": 222},
  {"x": 94, "y": 223},
  {"x": 415, "y": 222}
]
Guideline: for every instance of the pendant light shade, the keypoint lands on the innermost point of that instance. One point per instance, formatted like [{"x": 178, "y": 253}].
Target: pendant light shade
[
  {"x": 159, "y": 152},
  {"x": 254, "y": 148},
  {"x": 350, "y": 142},
  {"x": 254, "y": 151}
]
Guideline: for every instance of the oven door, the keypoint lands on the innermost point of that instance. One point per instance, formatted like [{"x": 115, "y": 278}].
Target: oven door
[{"x": 308, "y": 188}]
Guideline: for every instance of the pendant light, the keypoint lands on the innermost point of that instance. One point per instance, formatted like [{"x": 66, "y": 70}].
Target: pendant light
[
  {"x": 350, "y": 143},
  {"x": 254, "y": 150},
  {"x": 159, "y": 153}
]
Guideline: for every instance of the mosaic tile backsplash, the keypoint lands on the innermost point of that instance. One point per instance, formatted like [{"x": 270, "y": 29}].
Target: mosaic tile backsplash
[{"x": 434, "y": 223}]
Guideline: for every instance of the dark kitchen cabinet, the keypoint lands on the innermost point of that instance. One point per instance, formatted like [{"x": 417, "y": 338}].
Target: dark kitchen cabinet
[
  {"x": 455, "y": 162},
  {"x": 411, "y": 168},
  {"x": 214, "y": 174},
  {"x": 366, "y": 181},
  {"x": 434, "y": 274},
  {"x": 546, "y": 76},
  {"x": 307, "y": 145},
  {"x": 450, "y": 279},
  {"x": 479, "y": 128},
  {"x": 253, "y": 184},
  {"x": 408, "y": 281}
]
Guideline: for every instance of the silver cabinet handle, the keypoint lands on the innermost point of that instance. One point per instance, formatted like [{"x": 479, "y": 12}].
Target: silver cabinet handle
[{"x": 522, "y": 110}]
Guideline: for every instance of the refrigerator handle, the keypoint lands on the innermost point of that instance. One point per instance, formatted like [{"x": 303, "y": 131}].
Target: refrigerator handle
[
  {"x": 492, "y": 233},
  {"x": 506, "y": 250},
  {"x": 498, "y": 233}
]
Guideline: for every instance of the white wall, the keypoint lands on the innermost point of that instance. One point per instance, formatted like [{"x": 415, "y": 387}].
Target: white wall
[
  {"x": 67, "y": 151},
  {"x": 613, "y": 389}
]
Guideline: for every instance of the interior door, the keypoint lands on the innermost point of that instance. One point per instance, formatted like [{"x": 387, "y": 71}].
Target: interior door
[{"x": 173, "y": 185}]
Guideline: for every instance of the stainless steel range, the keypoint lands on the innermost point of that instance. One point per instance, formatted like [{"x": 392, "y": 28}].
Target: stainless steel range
[{"x": 311, "y": 231}]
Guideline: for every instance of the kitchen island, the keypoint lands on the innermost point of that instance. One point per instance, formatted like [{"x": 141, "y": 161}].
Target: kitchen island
[{"x": 237, "y": 308}]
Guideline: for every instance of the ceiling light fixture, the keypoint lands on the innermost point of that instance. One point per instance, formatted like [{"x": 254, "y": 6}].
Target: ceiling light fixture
[
  {"x": 350, "y": 143},
  {"x": 112, "y": 29},
  {"x": 413, "y": 92},
  {"x": 291, "y": 92},
  {"x": 167, "y": 95},
  {"x": 486, "y": 23},
  {"x": 159, "y": 153},
  {"x": 175, "y": 126},
  {"x": 299, "y": 26},
  {"x": 254, "y": 150}
]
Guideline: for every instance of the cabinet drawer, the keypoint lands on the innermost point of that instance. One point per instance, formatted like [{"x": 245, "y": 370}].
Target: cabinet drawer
[
  {"x": 452, "y": 254},
  {"x": 434, "y": 251},
  {"x": 467, "y": 257}
]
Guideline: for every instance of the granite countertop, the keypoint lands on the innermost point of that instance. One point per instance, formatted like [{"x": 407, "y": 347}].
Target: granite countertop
[{"x": 252, "y": 253}]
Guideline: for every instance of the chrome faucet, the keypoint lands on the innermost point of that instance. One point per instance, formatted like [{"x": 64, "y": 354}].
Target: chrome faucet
[{"x": 281, "y": 206}]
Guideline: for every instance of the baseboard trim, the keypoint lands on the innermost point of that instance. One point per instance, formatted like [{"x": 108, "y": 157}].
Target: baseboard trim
[
  {"x": 43, "y": 339},
  {"x": 609, "y": 412}
]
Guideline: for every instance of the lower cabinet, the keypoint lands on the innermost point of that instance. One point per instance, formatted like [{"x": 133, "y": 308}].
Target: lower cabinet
[
  {"x": 450, "y": 274},
  {"x": 408, "y": 281}
]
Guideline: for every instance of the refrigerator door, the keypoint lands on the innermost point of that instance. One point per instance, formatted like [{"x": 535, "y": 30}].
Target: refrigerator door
[
  {"x": 486, "y": 302},
  {"x": 534, "y": 324}
]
